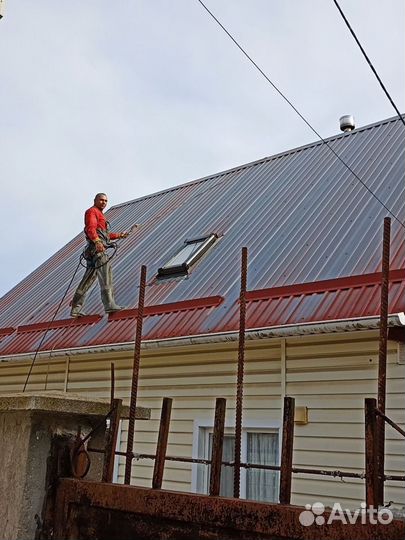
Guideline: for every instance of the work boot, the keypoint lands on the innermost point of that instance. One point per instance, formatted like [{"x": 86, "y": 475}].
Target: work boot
[
  {"x": 77, "y": 311},
  {"x": 77, "y": 304},
  {"x": 114, "y": 308},
  {"x": 110, "y": 306}
]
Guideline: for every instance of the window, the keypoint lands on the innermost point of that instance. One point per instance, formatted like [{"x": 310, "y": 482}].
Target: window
[
  {"x": 258, "y": 447},
  {"x": 189, "y": 253}
]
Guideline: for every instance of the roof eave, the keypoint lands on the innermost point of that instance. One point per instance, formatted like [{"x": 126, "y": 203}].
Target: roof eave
[{"x": 337, "y": 326}]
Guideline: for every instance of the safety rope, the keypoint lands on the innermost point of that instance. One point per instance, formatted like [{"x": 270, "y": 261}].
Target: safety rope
[
  {"x": 111, "y": 245},
  {"x": 49, "y": 326}
]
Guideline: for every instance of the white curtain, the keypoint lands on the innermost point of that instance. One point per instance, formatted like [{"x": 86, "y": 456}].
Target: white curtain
[
  {"x": 262, "y": 449},
  {"x": 228, "y": 454}
]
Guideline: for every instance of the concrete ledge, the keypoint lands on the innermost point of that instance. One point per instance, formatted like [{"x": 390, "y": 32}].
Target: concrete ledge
[{"x": 64, "y": 403}]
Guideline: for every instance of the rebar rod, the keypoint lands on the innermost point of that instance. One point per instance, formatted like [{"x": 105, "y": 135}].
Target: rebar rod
[
  {"x": 296, "y": 470},
  {"x": 390, "y": 422},
  {"x": 239, "y": 383},
  {"x": 135, "y": 376},
  {"x": 111, "y": 441},
  {"x": 382, "y": 357}
]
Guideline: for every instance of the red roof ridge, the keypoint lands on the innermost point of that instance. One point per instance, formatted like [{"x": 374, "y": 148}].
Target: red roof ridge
[
  {"x": 326, "y": 285},
  {"x": 7, "y": 331},
  {"x": 297, "y": 289},
  {"x": 170, "y": 307},
  {"x": 58, "y": 323}
]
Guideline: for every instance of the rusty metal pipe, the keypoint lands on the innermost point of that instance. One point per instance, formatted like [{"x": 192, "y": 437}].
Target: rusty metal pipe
[
  {"x": 382, "y": 358},
  {"x": 111, "y": 441},
  {"x": 240, "y": 375},
  {"x": 370, "y": 451},
  {"x": 322, "y": 472},
  {"x": 390, "y": 422},
  {"x": 296, "y": 470},
  {"x": 135, "y": 376},
  {"x": 287, "y": 450},
  {"x": 161, "y": 447},
  {"x": 217, "y": 446}
]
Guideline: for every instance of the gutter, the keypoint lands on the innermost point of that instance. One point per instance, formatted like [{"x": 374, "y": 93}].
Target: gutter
[{"x": 337, "y": 326}]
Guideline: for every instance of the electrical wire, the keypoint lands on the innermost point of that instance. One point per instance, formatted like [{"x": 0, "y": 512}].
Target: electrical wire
[
  {"x": 49, "y": 326},
  {"x": 368, "y": 61},
  {"x": 324, "y": 141}
]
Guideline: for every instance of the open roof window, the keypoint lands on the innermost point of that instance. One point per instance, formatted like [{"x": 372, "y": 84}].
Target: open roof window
[{"x": 189, "y": 253}]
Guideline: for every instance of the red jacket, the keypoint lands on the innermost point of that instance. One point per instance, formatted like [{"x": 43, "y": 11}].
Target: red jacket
[{"x": 94, "y": 219}]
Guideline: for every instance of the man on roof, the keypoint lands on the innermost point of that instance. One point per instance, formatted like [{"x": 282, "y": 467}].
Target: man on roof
[{"x": 99, "y": 237}]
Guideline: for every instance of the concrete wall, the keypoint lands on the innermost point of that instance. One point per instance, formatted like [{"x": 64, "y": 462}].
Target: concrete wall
[
  {"x": 15, "y": 435},
  {"x": 28, "y": 423}
]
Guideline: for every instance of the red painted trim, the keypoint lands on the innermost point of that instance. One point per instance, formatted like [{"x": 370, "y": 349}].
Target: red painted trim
[
  {"x": 171, "y": 307},
  {"x": 7, "y": 331},
  {"x": 62, "y": 323},
  {"x": 327, "y": 285}
]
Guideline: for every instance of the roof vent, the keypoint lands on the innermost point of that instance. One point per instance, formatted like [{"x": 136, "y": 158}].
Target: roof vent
[{"x": 347, "y": 123}]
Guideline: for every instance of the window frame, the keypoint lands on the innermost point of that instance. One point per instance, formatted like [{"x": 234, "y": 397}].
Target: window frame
[
  {"x": 205, "y": 427},
  {"x": 182, "y": 268}
]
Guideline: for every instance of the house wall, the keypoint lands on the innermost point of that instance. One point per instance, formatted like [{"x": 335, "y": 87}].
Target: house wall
[{"x": 329, "y": 374}]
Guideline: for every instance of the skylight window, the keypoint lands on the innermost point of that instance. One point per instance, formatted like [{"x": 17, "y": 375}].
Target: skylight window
[{"x": 189, "y": 253}]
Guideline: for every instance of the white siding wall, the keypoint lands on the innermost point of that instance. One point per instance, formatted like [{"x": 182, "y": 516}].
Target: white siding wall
[
  {"x": 332, "y": 378},
  {"x": 329, "y": 374}
]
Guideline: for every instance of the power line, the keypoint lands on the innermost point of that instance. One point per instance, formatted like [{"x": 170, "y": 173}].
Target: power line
[
  {"x": 324, "y": 141},
  {"x": 369, "y": 61}
]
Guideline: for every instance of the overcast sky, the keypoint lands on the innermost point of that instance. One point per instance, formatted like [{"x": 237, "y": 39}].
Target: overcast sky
[{"x": 134, "y": 96}]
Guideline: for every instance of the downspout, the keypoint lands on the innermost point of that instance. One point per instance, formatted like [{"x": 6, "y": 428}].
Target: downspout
[
  {"x": 283, "y": 370},
  {"x": 66, "y": 381}
]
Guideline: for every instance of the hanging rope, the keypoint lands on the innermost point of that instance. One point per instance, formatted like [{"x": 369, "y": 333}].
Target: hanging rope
[{"x": 49, "y": 325}]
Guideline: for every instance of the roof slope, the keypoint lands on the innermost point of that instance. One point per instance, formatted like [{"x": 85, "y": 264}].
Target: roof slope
[{"x": 303, "y": 216}]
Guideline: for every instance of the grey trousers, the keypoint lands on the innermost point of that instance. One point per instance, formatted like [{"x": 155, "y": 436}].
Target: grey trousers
[{"x": 98, "y": 267}]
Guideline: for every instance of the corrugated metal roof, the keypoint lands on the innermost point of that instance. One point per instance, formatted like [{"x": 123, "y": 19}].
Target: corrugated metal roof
[{"x": 302, "y": 215}]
